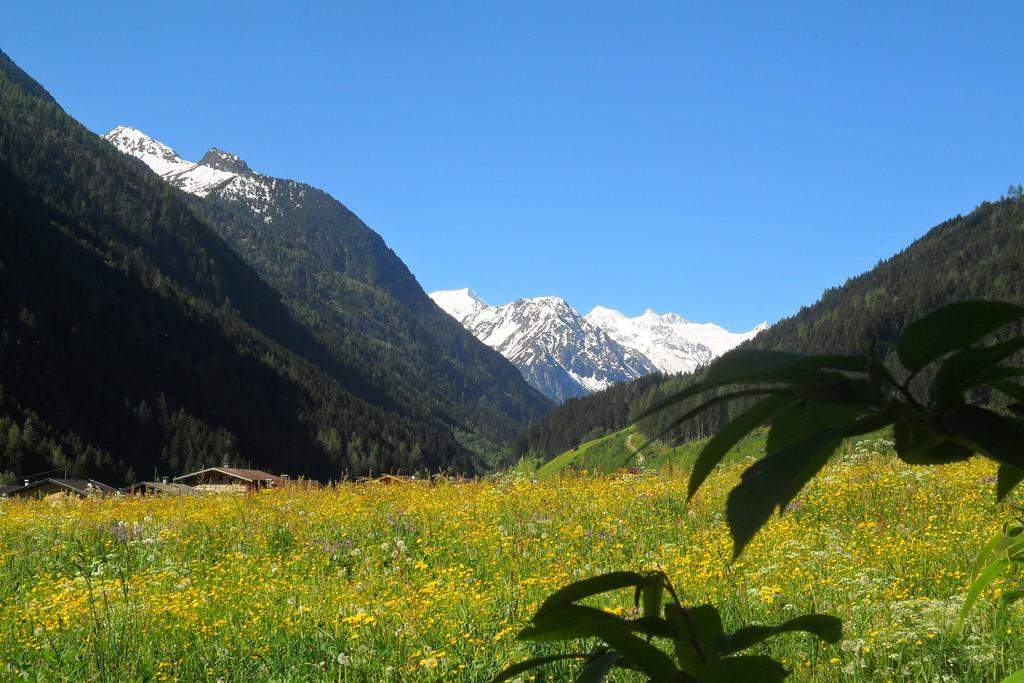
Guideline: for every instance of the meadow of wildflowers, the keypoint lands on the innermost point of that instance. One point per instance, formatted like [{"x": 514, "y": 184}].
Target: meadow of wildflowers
[{"x": 423, "y": 583}]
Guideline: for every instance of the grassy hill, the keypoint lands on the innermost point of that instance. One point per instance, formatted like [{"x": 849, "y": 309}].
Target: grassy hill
[{"x": 620, "y": 450}]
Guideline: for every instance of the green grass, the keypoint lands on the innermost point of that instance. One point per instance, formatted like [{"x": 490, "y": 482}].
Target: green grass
[{"x": 618, "y": 450}]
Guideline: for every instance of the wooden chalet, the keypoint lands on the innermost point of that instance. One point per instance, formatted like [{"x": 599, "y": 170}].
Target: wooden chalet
[
  {"x": 229, "y": 480},
  {"x": 70, "y": 487},
  {"x": 160, "y": 488}
]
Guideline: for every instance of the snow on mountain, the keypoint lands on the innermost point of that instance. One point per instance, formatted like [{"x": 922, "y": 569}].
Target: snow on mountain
[
  {"x": 219, "y": 172},
  {"x": 198, "y": 178},
  {"x": 564, "y": 354},
  {"x": 458, "y": 303},
  {"x": 162, "y": 159},
  {"x": 673, "y": 343},
  {"x": 555, "y": 349},
  {"x": 558, "y": 351}
]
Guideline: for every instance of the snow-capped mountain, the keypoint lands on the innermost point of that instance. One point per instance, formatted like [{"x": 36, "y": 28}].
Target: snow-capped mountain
[
  {"x": 564, "y": 354},
  {"x": 218, "y": 172},
  {"x": 356, "y": 309},
  {"x": 554, "y": 347},
  {"x": 673, "y": 343},
  {"x": 459, "y": 303}
]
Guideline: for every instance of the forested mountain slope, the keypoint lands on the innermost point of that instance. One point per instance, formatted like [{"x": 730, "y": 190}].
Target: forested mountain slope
[
  {"x": 980, "y": 255},
  {"x": 133, "y": 338},
  {"x": 345, "y": 284}
]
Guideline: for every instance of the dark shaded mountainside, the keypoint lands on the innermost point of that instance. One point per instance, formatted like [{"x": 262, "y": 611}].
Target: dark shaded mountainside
[
  {"x": 366, "y": 308},
  {"x": 133, "y": 338},
  {"x": 977, "y": 256}
]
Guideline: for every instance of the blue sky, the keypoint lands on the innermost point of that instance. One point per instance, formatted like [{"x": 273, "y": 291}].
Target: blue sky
[{"x": 724, "y": 161}]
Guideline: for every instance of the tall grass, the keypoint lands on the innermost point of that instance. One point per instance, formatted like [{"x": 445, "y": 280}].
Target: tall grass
[{"x": 418, "y": 582}]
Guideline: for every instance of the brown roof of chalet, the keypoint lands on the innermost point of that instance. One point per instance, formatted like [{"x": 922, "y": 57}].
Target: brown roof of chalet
[
  {"x": 79, "y": 486},
  {"x": 392, "y": 479},
  {"x": 159, "y": 486},
  {"x": 237, "y": 473}
]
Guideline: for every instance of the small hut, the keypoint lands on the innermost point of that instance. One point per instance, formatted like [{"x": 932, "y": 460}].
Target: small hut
[{"x": 229, "y": 480}]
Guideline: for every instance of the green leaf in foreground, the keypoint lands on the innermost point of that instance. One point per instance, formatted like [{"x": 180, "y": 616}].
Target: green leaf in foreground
[
  {"x": 597, "y": 667},
  {"x": 978, "y": 586},
  {"x": 745, "y": 669},
  {"x": 826, "y": 627},
  {"x": 698, "y": 635},
  {"x": 730, "y": 435},
  {"x": 1007, "y": 479},
  {"x": 952, "y": 327},
  {"x": 595, "y": 585},
  {"x": 801, "y": 440},
  {"x": 522, "y": 667}
]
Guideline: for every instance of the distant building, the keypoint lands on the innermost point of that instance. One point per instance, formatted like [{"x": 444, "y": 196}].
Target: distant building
[
  {"x": 160, "y": 488},
  {"x": 391, "y": 479},
  {"x": 229, "y": 479},
  {"x": 72, "y": 487}
]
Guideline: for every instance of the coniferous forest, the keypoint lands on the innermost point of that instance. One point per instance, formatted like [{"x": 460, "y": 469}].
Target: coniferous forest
[
  {"x": 977, "y": 256},
  {"x": 240, "y": 441},
  {"x": 135, "y": 340}
]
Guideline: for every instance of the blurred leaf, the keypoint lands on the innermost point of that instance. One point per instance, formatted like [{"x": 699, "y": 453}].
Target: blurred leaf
[
  {"x": 984, "y": 554},
  {"x": 837, "y": 390},
  {"x": 1000, "y": 438},
  {"x": 828, "y": 628},
  {"x": 730, "y": 435},
  {"x": 1010, "y": 597},
  {"x": 1011, "y": 389},
  {"x": 850, "y": 363},
  {"x": 732, "y": 368},
  {"x": 597, "y": 667},
  {"x": 760, "y": 367},
  {"x": 638, "y": 653},
  {"x": 954, "y": 326},
  {"x": 744, "y": 669},
  {"x": 971, "y": 367},
  {"x": 595, "y": 585},
  {"x": 1015, "y": 677},
  {"x": 916, "y": 444},
  {"x": 656, "y": 627},
  {"x": 801, "y": 440},
  {"x": 714, "y": 400},
  {"x": 1007, "y": 478},
  {"x": 566, "y": 622},
  {"x": 699, "y": 632},
  {"x": 978, "y": 586},
  {"x": 800, "y": 421},
  {"x": 521, "y": 667},
  {"x": 651, "y": 598}
]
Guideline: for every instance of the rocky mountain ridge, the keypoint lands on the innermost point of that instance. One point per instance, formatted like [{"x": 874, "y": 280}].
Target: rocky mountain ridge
[{"x": 564, "y": 354}]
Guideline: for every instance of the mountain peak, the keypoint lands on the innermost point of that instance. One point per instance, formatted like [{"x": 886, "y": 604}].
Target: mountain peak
[
  {"x": 224, "y": 161},
  {"x": 552, "y": 301},
  {"x": 458, "y": 303},
  {"x": 215, "y": 171},
  {"x": 155, "y": 154},
  {"x": 126, "y": 132},
  {"x": 600, "y": 310}
]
